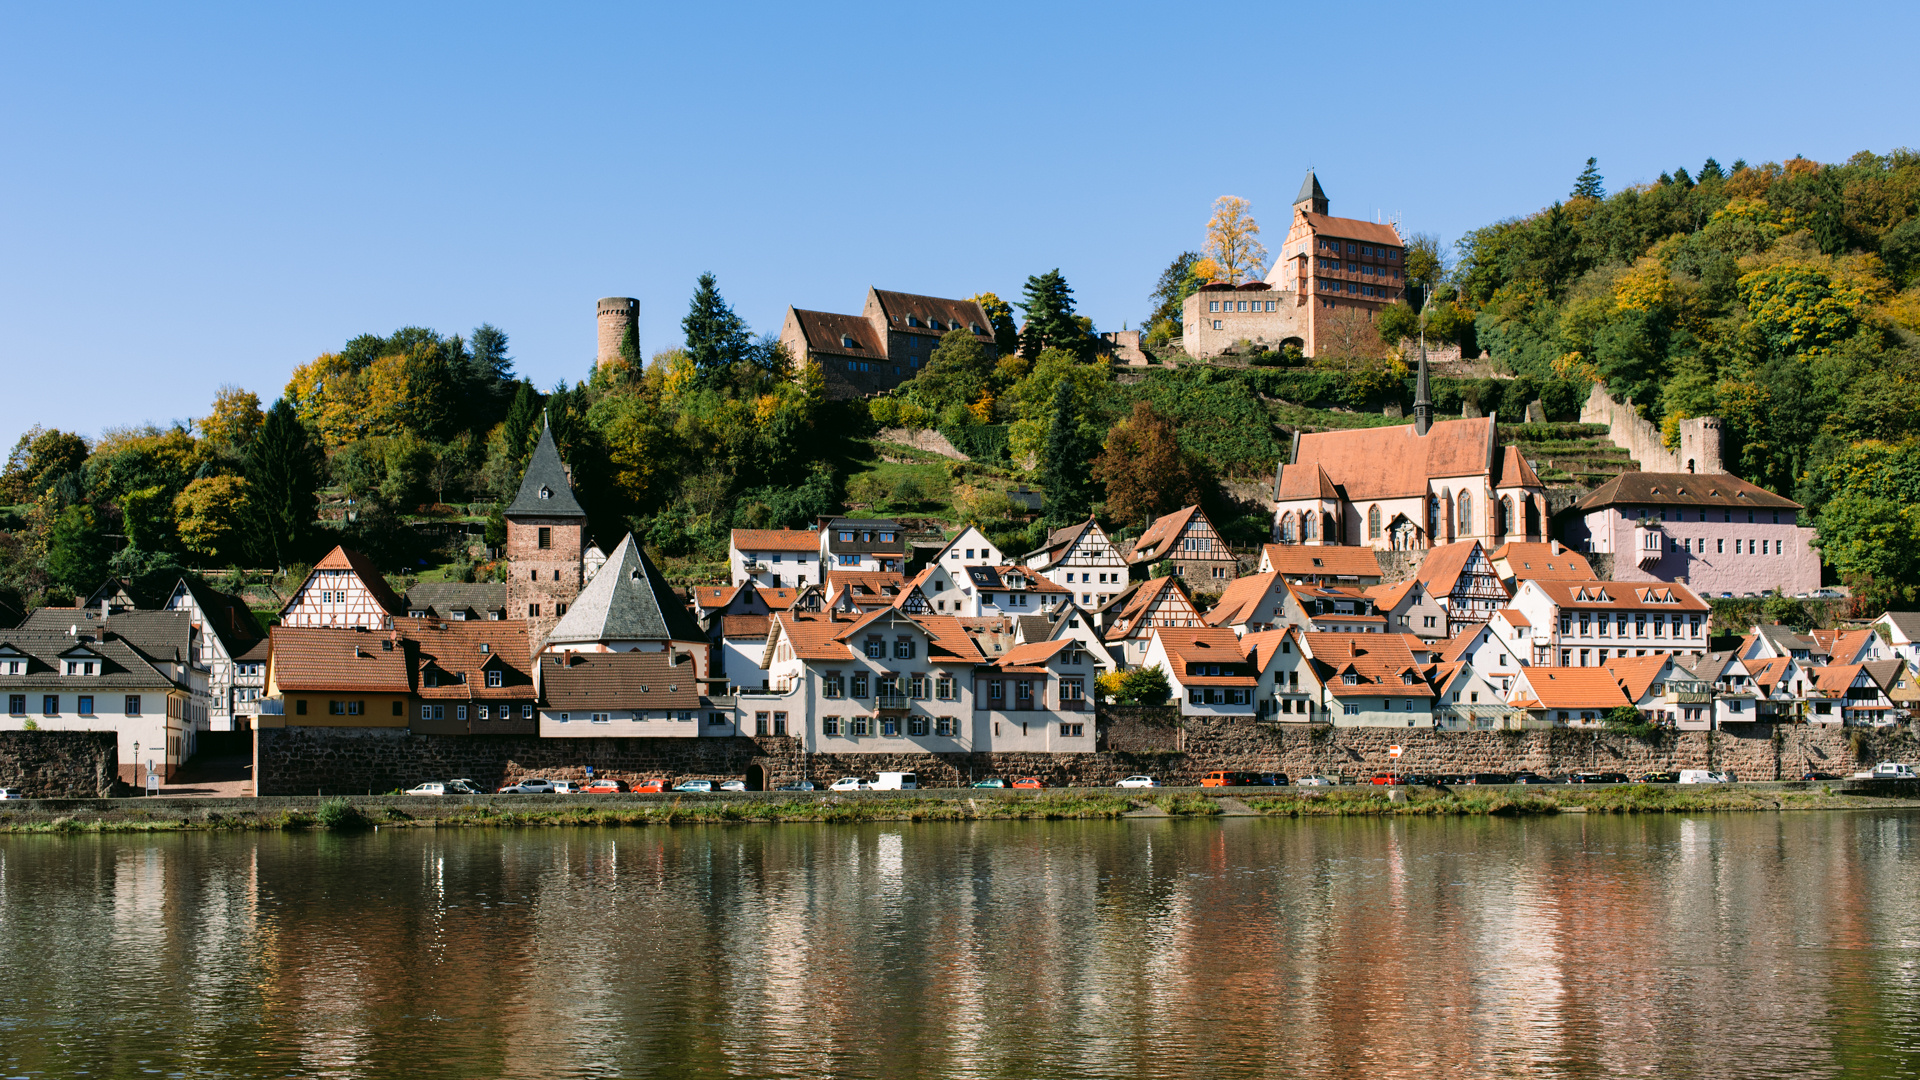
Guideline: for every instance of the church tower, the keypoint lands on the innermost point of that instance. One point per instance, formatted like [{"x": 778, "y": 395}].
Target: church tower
[
  {"x": 546, "y": 543},
  {"x": 1311, "y": 195}
]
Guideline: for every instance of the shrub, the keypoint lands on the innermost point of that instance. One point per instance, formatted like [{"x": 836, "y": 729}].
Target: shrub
[{"x": 341, "y": 815}]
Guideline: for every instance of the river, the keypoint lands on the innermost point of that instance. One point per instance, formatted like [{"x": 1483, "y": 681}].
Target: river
[{"x": 1742, "y": 945}]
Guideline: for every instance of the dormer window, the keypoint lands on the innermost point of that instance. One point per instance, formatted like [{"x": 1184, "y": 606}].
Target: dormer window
[
  {"x": 913, "y": 320},
  {"x": 846, "y": 342},
  {"x": 975, "y": 327},
  {"x": 1350, "y": 678},
  {"x": 495, "y": 679},
  {"x": 546, "y": 492}
]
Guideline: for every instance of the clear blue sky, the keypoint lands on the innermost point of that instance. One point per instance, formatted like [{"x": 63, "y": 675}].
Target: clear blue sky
[{"x": 193, "y": 194}]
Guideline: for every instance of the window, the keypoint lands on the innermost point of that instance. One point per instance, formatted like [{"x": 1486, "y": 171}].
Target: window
[
  {"x": 996, "y": 691},
  {"x": 1072, "y": 731},
  {"x": 1216, "y": 324},
  {"x": 779, "y": 723},
  {"x": 85, "y": 705},
  {"x": 1196, "y": 696},
  {"x": 860, "y": 684},
  {"x": 917, "y": 725},
  {"x": 760, "y": 723},
  {"x": 861, "y": 727},
  {"x": 546, "y": 536},
  {"x": 903, "y": 648},
  {"x": 533, "y": 611},
  {"x": 832, "y": 685},
  {"x": 496, "y": 679},
  {"x": 943, "y": 687},
  {"x": 459, "y": 712},
  {"x": 1213, "y": 305},
  {"x": 918, "y": 685},
  {"x": 1072, "y": 690},
  {"x": 946, "y": 726},
  {"x": 829, "y": 725},
  {"x": 890, "y": 728},
  {"x": 1640, "y": 625}
]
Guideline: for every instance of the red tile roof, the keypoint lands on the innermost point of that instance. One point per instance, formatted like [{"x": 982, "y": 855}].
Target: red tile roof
[
  {"x": 1622, "y": 595},
  {"x": 1572, "y": 688},
  {"x": 1188, "y": 646},
  {"x": 822, "y": 332},
  {"x": 448, "y": 651},
  {"x": 776, "y": 540},
  {"x": 1440, "y": 571},
  {"x": 326, "y": 658},
  {"x": 1158, "y": 540},
  {"x": 1322, "y": 560},
  {"x": 1241, "y": 598},
  {"x": 1352, "y": 229},
  {"x": 1304, "y": 482},
  {"x": 1684, "y": 489},
  {"x": 1380, "y": 661},
  {"x": 617, "y": 680},
  {"x": 1395, "y": 462},
  {"x": 1538, "y": 561}
]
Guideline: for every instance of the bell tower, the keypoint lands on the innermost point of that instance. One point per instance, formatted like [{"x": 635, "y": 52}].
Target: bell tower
[{"x": 546, "y": 543}]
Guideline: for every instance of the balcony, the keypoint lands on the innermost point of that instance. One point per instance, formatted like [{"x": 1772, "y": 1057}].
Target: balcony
[
  {"x": 890, "y": 702},
  {"x": 1684, "y": 692}
]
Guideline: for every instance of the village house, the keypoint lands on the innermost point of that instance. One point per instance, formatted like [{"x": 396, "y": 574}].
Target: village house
[
  {"x": 458, "y": 601},
  {"x": 141, "y": 674},
  {"x": 1851, "y": 646},
  {"x": 1899, "y": 631},
  {"x": 1187, "y": 539},
  {"x": 863, "y": 590},
  {"x": 627, "y": 695},
  {"x": 1331, "y": 609},
  {"x": 1567, "y": 696},
  {"x": 1288, "y": 687},
  {"x": 1735, "y": 697},
  {"x": 1582, "y": 624},
  {"x": 1208, "y": 669},
  {"x": 864, "y": 545},
  {"x": 629, "y": 607},
  {"x": 1251, "y": 604},
  {"x": 472, "y": 677},
  {"x": 1897, "y": 682},
  {"x": 1162, "y": 603},
  {"x": 344, "y": 591},
  {"x": 1408, "y": 487},
  {"x": 323, "y": 676},
  {"x": 1780, "y": 684},
  {"x": 1549, "y": 562},
  {"x": 1847, "y": 694},
  {"x": 775, "y": 558},
  {"x": 1410, "y": 609},
  {"x": 1768, "y": 641},
  {"x": 1371, "y": 680},
  {"x": 1715, "y": 532},
  {"x": 1462, "y": 582},
  {"x": 228, "y": 634},
  {"x": 1497, "y": 649},
  {"x": 1322, "y": 564},
  {"x": 1467, "y": 700},
  {"x": 889, "y": 342},
  {"x": 1038, "y": 698},
  {"x": 1665, "y": 691},
  {"x": 882, "y": 682},
  {"x": 970, "y": 548},
  {"x": 1081, "y": 559}
]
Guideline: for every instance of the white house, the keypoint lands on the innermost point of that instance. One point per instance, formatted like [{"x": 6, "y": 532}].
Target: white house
[
  {"x": 1208, "y": 668},
  {"x": 775, "y": 558},
  {"x": 1584, "y": 623},
  {"x": 1900, "y": 630},
  {"x": 1371, "y": 680},
  {"x": 344, "y": 590},
  {"x": 970, "y": 548},
  {"x": 1081, "y": 559},
  {"x": 1288, "y": 687},
  {"x": 627, "y": 695}
]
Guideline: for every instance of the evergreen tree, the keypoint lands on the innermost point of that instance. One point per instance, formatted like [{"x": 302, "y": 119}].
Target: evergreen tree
[
  {"x": 283, "y": 473},
  {"x": 483, "y": 373},
  {"x": 523, "y": 421},
  {"x": 1588, "y": 185},
  {"x": 716, "y": 337},
  {"x": 1172, "y": 290},
  {"x": 77, "y": 550},
  {"x": 1065, "y": 467},
  {"x": 1050, "y": 320}
]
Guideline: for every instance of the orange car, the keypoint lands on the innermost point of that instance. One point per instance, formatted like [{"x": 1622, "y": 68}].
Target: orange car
[
  {"x": 1220, "y": 778},
  {"x": 1029, "y": 782},
  {"x": 651, "y": 785},
  {"x": 605, "y": 787}
]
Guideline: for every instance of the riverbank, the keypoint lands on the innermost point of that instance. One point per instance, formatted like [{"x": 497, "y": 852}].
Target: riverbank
[{"x": 294, "y": 813}]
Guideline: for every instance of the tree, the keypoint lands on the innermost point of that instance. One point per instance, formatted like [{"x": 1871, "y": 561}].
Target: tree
[
  {"x": 236, "y": 418},
  {"x": 522, "y": 428},
  {"x": 957, "y": 373},
  {"x": 283, "y": 475},
  {"x": 1063, "y": 468},
  {"x": 1588, "y": 186},
  {"x": 1006, "y": 336},
  {"x": 485, "y": 378},
  {"x": 1050, "y": 320},
  {"x": 1233, "y": 240},
  {"x": 1426, "y": 268},
  {"x": 77, "y": 550},
  {"x": 1144, "y": 686},
  {"x": 212, "y": 516},
  {"x": 716, "y": 337},
  {"x": 147, "y": 516},
  {"x": 1146, "y": 471},
  {"x": 41, "y": 457},
  {"x": 1171, "y": 291}
]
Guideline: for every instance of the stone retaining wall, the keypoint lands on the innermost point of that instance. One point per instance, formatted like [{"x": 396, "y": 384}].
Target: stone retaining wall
[
  {"x": 311, "y": 761},
  {"x": 61, "y": 764}
]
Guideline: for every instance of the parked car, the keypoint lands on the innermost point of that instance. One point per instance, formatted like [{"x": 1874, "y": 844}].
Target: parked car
[
  {"x": 990, "y": 782},
  {"x": 1269, "y": 779},
  {"x": 734, "y": 785},
  {"x": 1138, "y": 781},
  {"x": 653, "y": 786},
  {"x": 1452, "y": 779},
  {"x": 1317, "y": 781},
  {"x": 1702, "y": 776},
  {"x": 1597, "y": 778},
  {"x": 1029, "y": 782},
  {"x": 1418, "y": 779},
  {"x": 797, "y": 785},
  {"x": 1531, "y": 778},
  {"x": 1660, "y": 778},
  {"x": 12, "y": 793},
  {"x": 1490, "y": 778},
  {"x": 431, "y": 787},
  {"x": 895, "y": 781},
  {"x": 529, "y": 787},
  {"x": 1220, "y": 778},
  {"x": 464, "y": 787},
  {"x": 1387, "y": 779},
  {"x": 694, "y": 785},
  {"x": 1816, "y": 774},
  {"x": 1888, "y": 770},
  {"x": 605, "y": 787},
  {"x": 566, "y": 787},
  {"x": 846, "y": 783}
]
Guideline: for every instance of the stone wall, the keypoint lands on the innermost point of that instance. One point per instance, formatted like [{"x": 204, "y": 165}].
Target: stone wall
[
  {"x": 61, "y": 764},
  {"x": 1398, "y": 566},
  {"x": 1700, "y": 437},
  {"x": 926, "y": 439},
  {"x": 309, "y": 761}
]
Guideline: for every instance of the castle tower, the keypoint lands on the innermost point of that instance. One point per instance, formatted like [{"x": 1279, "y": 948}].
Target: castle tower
[
  {"x": 546, "y": 543},
  {"x": 1310, "y": 194},
  {"x": 616, "y": 316}
]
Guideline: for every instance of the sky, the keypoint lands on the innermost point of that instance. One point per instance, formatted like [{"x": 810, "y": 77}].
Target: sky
[{"x": 194, "y": 195}]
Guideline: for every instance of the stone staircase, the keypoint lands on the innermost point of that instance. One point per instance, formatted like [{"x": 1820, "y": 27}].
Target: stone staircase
[{"x": 1568, "y": 455}]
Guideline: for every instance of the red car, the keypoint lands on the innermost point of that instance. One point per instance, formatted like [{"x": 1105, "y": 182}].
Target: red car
[
  {"x": 1388, "y": 779},
  {"x": 651, "y": 785},
  {"x": 605, "y": 787},
  {"x": 1029, "y": 782}
]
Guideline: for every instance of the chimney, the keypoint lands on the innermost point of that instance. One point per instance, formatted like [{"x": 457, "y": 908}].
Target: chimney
[{"x": 1556, "y": 547}]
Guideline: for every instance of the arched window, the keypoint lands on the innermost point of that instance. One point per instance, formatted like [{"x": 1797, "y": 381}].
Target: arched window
[
  {"x": 1466, "y": 513},
  {"x": 1286, "y": 529},
  {"x": 1373, "y": 522},
  {"x": 1309, "y": 526},
  {"x": 1506, "y": 515},
  {"x": 1433, "y": 517}
]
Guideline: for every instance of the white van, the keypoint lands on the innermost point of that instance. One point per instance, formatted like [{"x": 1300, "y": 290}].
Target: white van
[
  {"x": 1888, "y": 770},
  {"x": 1703, "y": 776},
  {"x": 896, "y": 781}
]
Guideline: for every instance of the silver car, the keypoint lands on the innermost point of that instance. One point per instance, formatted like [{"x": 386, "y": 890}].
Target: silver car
[{"x": 1138, "y": 781}]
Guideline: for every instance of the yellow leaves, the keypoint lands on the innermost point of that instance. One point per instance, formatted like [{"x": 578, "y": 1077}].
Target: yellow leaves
[
  {"x": 1646, "y": 287},
  {"x": 1204, "y": 270},
  {"x": 982, "y": 410},
  {"x": 1904, "y": 309},
  {"x": 1233, "y": 240},
  {"x": 210, "y": 513},
  {"x": 1575, "y": 366},
  {"x": 236, "y": 417}
]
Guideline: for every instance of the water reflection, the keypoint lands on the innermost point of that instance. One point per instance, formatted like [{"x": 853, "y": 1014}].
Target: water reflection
[{"x": 1754, "y": 945}]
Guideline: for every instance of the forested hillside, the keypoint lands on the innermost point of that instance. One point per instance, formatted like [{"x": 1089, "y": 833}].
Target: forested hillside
[{"x": 1783, "y": 298}]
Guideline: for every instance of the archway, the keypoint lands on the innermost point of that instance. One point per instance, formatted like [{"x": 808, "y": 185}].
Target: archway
[{"x": 756, "y": 777}]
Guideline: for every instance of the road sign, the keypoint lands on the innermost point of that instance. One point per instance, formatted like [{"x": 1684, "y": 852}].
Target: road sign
[{"x": 1393, "y": 751}]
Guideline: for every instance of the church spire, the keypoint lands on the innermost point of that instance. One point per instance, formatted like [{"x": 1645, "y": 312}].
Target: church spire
[
  {"x": 1311, "y": 194},
  {"x": 1422, "y": 401}
]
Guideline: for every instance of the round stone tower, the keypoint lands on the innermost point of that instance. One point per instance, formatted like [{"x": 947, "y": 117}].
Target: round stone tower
[{"x": 616, "y": 315}]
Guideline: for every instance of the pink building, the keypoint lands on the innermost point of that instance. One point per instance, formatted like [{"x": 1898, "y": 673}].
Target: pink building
[{"x": 1712, "y": 531}]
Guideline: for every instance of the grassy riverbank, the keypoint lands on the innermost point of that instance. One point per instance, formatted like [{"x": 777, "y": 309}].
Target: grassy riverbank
[{"x": 347, "y": 814}]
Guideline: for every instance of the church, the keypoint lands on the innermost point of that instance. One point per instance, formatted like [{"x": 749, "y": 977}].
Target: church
[{"x": 1408, "y": 487}]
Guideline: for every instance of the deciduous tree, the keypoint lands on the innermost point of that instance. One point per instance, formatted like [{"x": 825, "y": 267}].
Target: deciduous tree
[
  {"x": 236, "y": 418},
  {"x": 1145, "y": 470},
  {"x": 1006, "y": 335},
  {"x": 1233, "y": 240},
  {"x": 212, "y": 516},
  {"x": 77, "y": 550}
]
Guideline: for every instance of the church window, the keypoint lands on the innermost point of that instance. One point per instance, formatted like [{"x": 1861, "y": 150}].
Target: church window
[
  {"x": 1286, "y": 529},
  {"x": 1373, "y": 523},
  {"x": 1466, "y": 512},
  {"x": 1309, "y": 526}
]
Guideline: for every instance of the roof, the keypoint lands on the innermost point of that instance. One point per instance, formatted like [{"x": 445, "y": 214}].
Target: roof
[
  {"x": 1261, "y": 646},
  {"x": 1388, "y": 597},
  {"x": 617, "y": 680},
  {"x": 814, "y": 636},
  {"x": 1140, "y": 600},
  {"x": 1636, "y": 674},
  {"x": 1684, "y": 489},
  {"x": 1572, "y": 688},
  {"x": 447, "y": 650},
  {"x": 776, "y": 540},
  {"x": 1907, "y": 622},
  {"x": 1158, "y": 540},
  {"x": 1304, "y": 482},
  {"x": 345, "y": 558},
  {"x": 544, "y": 488},
  {"x": 1187, "y": 646},
  {"x": 880, "y": 586},
  {"x": 1059, "y": 540},
  {"x": 1844, "y": 645},
  {"x": 441, "y": 598},
  {"x": 1242, "y": 597},
  {"x": 1515, "y": 617},
  {"x": 329, "y": 658},
  {"x": 1333, "y": 560},
  {"x": 744, "y": 627},
  {"x": 122, "y": 666},
  {"x": 1511, "y": 469},
  {"x": 226, "y": 615},
  {"x": 823, "y": 331},
  {"x": 1542, "y": 561},
  {"x": 1835, "y": 678},
  {"x": 159, "y": 636},
  {"x": 1621, "y": 595},
  {"x": 994, "y": 577},
  {"x": 1712, "y": 666},
  {"x": 1033, "y": 653},
  {"x": 1396, "y": 462},
  {"x": 1440, "y": 571},
  {"x": 1457, "y": 646},
  {"x": 1310, "y": 190},
  {"x": 1884, "y": 672},
  {"x": 1352, "y": 229},
  {"x": 1380, "y": 661},
  {"x": 952, "y": 314},
  {"x": 708, "y": 597},
  {"x": 627, "y": 600},
  {"x": 1769, "y": 671}
]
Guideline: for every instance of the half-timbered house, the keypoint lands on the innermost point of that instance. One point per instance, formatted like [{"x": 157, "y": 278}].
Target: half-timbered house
[
  {"x": 344, "y": 591},
  {"x": 1188, "y": 540},
  {"x": 1081, "y": 559}
]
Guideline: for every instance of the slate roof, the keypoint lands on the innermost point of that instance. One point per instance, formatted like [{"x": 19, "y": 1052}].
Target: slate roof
[
  {"x": 545, "y": 471},
  {"x": 122, "y": 666},
  {"x": 329, "y": 658},
  {"x": 227, "y": 616},
  {"x": 994, "y": 578},
  {"x": 1684, "y": 489},
  {"x": 1058, "y": 541},
  {"x": 617, "y": 680},
  {"x": 1907, "y": 622},
  {"x": 440, "y": 599},
  {"x": 1310, "y": 190},
  {"x": 161, "y": 636},
  {"x": 628, "y": 600}
]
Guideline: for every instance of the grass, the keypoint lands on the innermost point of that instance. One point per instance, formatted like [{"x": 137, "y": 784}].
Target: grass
[
  {"x": 1187, "y": 805},
  {"x": 1378, "y": 803}
]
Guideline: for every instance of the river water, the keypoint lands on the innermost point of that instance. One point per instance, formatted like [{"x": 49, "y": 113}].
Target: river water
[{"x": 1732, "y": 945}]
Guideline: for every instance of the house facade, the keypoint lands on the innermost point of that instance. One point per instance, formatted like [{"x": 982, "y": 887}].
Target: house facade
[
  {"x": 627, "y": 695},
  {"x": 775, "y": 558},
  {"x": 1188, "y": 540},
  {"x": 889, "y": 342},
  {"x": 1410, "y": 609},
  {"x": 1080, "y": 559},
  {"x": 882, "y": 682},
  {"x": 1715, "y": 532},
  {"x": 1209, "y": 669},
  {"x": 1160, "y": 604},
  {"x": 333, "y": 677},
  {"x": 1371, "y": 680},
  {"x": 629, "y": 607},
  {"x": 471, "y": 677},
  {"x": 870, "y": 545},
  {"x": 343, "y": 591},
  {"x": 1583, "y": 624},
  {"x": 1462, "y": 581}
]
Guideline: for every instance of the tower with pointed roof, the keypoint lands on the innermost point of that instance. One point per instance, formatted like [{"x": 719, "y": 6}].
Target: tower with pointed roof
[
  {"x": 1422, "y": 401},
  {"x": 1311, "y": 195},
  {"x": 546, "y": 542}
]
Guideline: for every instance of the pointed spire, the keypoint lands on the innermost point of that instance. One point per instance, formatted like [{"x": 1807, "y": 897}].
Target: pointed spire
[
  {"x": 1311, "y": 194},
  {"x": 1422, "y": 401},
  {"x": 544, "y": 490}
]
